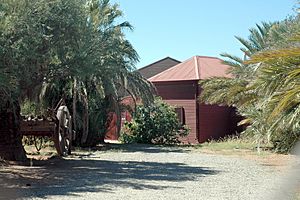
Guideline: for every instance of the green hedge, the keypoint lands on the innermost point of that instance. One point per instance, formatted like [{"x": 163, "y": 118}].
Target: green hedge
[{"x": 156, "y": 124}]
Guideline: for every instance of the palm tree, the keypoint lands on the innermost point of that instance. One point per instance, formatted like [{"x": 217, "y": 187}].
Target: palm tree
[
  {"x": 279, "y": 75},
  {"x": 235, "y": 91},
  {"x": 106, "y": 75},
  {"x": 265, "y": 88},
  {"x": 38, "y": 42},
  {"x": 239, "y": 91}
]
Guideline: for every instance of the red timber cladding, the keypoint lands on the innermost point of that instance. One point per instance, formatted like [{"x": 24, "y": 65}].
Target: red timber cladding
[
  {"x": 111, "y": 127},
  {"x": 111, "y": 123},
  {"x": 214, "y": 121},
  {"x": 182, "y": 93},
  {"x": 184, "y": 90},
  {"x": 190, "y": 118}
]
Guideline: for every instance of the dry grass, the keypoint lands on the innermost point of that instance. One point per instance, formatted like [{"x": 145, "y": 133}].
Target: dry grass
[
  {"x": 231, "y": 143},
  {"x": 246, "y": 148},
  {"x": 44, "y": 154}
]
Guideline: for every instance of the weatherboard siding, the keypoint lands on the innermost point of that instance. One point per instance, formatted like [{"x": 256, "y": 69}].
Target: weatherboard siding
[
  {"x": 214, "y": 122},
  {"x": 190, "y": 118},
  {"x": 182, "y": 94},
  {"x": 177, "y": 90}
]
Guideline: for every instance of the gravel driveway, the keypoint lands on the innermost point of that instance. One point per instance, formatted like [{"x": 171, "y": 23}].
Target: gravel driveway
[{"x": 143, "y": 172}]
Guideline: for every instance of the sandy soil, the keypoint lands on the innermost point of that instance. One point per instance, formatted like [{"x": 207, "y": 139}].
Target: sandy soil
[{"x": 147, "y": 172}]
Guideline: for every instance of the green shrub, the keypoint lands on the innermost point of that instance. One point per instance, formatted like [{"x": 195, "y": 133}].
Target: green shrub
[
  {"x": 284, "y": 141},
  {"x": 156, "y": 124}
]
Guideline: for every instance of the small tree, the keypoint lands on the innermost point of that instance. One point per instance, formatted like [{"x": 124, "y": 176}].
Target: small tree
[
  {"x": 156, "y": 124},
  {"x": 38, "y": 41}
]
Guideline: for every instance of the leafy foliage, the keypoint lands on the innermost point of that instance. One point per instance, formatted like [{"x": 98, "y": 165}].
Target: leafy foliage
[
  {"x": 107, "y": 73},
  {"x": 71, "y": 49},
  {"x": 156, "y": 124},
  {"x": 265, "y": 87},
  {"x": 38, "y": 41}
]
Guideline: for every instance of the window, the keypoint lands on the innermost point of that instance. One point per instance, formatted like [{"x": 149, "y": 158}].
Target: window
[{"x": 180, "y": 114}]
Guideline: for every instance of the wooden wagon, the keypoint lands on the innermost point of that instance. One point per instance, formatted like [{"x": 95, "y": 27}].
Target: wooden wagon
[{"x": 57, "y": 125}]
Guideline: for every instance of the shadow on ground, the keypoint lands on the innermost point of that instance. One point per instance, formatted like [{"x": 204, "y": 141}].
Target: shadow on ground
[
  {"x": 145, "y": 148},
  {"x": 72, "y": 176}
]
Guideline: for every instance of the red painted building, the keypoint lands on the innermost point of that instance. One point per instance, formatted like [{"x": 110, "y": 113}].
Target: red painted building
[
  {"x": 179, "y": 87},
  {"x": 112, "y": 132},
  {"x": 178, "y": 84}
]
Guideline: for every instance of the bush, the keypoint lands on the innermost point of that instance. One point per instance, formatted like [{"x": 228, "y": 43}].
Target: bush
[
  {"x": 155, "y": 124},
  {"x": 284, "y": 141}
]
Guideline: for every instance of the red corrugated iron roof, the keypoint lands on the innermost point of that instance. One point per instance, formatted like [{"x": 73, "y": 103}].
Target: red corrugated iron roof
[{"x": 195, "y": 68}]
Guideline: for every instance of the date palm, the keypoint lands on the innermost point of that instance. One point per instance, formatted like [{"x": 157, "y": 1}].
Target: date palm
[
  {"x": 279, "y": 74},
  {"x": 235, "y": 91},
  {"x": 106, "y": 75},
  {"x": 59, "y": 48},
  {"x": 39, "y": 41},
  {"x": 265, "y": 86},
  {"x": 239, "y": 91}
]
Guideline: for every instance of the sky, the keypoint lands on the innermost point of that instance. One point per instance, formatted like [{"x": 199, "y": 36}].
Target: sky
[{"x": 185, "y": 28}]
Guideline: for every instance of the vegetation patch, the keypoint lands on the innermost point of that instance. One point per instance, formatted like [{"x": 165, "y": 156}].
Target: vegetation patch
[
  {"x": 230, "y": 143},
  {"x": 155, "y": 124},
  {"x": 265, "y": 88},
  {"x": 235, "y": 145}
]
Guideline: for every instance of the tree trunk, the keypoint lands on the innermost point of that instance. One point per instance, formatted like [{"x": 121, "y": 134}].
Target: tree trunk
[
  {"x": 74, "y": 107},
  {"x": 115, "y": 108},
  {"x": 119, "y": 117},
  {"x": 11, "y": 147},
  {"x": 85, "y": 131}
]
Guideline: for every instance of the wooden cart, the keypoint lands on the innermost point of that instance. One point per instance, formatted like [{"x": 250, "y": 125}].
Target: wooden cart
[{"x": 57, "y": 125}]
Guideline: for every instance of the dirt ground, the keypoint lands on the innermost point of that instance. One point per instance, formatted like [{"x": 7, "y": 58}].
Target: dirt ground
[{"x": 142, "y": 172}]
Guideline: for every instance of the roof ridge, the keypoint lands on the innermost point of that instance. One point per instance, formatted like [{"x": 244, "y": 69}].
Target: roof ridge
[
  {"x": 174, "y": 66},
  {"x": 196, "y": 67},
  {"x": 168, "y": 57},
  {"x": 208, "y": 57},
  {"x": 191, "y": 58},
  {"x": 164, "y": 71}
]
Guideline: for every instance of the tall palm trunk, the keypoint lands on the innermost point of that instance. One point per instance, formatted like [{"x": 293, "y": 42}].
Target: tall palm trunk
[
  {"x": 74, "y": 105},
  {"x": 113, "y": 106},
  {"x": 11, "y": 147},
  {"x": 85, "y": 131},
  {"x": 119, "y": 117}
]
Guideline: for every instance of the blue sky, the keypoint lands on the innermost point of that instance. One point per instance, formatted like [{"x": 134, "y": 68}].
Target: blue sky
[{"x": 184, "y": 28}]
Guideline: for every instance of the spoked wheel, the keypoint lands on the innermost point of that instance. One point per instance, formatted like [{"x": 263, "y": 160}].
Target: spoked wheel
[{"x": 63, "y": 134}]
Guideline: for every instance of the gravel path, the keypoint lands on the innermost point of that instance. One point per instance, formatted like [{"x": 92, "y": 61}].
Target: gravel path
[{"x": 144, "y": 172}]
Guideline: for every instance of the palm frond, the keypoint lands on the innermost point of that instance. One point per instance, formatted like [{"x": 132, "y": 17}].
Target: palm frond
[{"x": 280, "y": 55}]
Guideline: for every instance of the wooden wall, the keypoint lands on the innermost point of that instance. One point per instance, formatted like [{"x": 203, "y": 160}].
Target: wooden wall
[
  {"x": 182, "y": 94},
  {"x": 205, "y": 121},
  {"x": 177, "y": 90},
  {"x": 190, "y": 118},
  {"x": 214, "y": 122}
]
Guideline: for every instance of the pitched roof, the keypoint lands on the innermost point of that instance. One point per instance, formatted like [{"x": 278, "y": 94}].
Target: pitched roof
[
  {"x": 158, "y": 66},
  {"x": 195, "y": 68}
]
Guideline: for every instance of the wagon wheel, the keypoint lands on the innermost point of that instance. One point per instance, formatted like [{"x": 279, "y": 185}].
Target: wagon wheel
[
  {"x": 38, "y": 143},
  {"x": 63, "y": 133}
]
